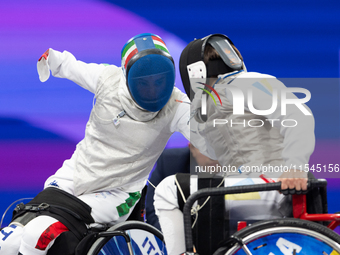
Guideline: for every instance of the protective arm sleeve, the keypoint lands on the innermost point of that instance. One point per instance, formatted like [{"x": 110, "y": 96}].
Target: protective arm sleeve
[{"x": 65, "y": 65}]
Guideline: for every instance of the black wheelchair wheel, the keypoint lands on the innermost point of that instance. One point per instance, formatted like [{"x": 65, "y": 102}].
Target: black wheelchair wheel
[
  {"x": 130, "y": 237},
  {"x": 282, "y": 236}
]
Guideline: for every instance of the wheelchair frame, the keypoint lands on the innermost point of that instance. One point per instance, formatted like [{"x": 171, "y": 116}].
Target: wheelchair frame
[{"x": 299, "y": 205}]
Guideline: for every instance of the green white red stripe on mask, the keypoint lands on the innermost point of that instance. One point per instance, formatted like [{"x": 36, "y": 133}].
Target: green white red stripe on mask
[
  {"x": 129, "y": 51},
  {"x": 159, "y": 44},
  {"x": 131, "y": 48}
]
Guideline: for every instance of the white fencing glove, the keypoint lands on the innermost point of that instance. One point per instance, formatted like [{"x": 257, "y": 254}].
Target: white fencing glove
[{"x": 43, "y": 67}]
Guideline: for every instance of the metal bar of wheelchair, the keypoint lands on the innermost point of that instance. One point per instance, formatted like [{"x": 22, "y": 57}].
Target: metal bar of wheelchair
[
  {"x": 226, "y": 191},
  {"x": 111, "y": 234}
]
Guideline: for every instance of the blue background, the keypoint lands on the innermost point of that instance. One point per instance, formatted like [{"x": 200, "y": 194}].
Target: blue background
[{"x": 41, "y": 123}]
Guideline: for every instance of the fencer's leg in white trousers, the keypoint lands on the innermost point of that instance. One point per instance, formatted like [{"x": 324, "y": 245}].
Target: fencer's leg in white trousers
[
  {"x": 170, "y": 216},
  {"x": 172, "y": 226},
  {"x": 39, "y": 234},
  {"x": 10, "y": 239}
]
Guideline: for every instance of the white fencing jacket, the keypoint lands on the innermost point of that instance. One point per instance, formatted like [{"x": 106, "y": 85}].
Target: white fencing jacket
[
  {"x": 260, "y": 140},
  {"x": 115, "y": 156}
]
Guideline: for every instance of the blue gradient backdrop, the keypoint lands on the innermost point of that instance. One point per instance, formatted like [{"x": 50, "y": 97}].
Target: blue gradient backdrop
[{"x": 40, "y": 123}]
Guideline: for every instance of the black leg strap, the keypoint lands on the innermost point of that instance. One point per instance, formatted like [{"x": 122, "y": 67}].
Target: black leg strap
[{"x": 66, "y": 208}]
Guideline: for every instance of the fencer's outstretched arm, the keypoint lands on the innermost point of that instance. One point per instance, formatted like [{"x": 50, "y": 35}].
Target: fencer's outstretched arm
[{"x": 65, "y": 65}]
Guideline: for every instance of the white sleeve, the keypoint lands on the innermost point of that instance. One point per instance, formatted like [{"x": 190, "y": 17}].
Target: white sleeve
[
  {"x": 191, "y": 132},
  {"x": 296, "y": 128},
  {"x": 199, "y": 141},
  {"x": 65, "y": 65},
  {"x": 180, "y": 122}
]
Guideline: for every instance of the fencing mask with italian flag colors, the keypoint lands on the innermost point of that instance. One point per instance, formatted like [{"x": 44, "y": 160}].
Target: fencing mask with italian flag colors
[{"x": 149, "y": 70}]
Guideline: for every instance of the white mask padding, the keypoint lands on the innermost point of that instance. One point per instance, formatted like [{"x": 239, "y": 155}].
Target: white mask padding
[{"x": 197, "y": 73}]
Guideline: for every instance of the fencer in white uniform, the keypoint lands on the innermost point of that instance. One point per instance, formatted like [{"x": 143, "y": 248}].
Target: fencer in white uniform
[
  {"x": 252, "y": 148},
  {"x": 134, "y": 115}
]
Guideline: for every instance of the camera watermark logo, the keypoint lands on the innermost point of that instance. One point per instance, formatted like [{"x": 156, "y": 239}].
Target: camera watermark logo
[{"x": 279, "y": 97}]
